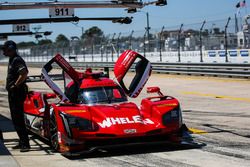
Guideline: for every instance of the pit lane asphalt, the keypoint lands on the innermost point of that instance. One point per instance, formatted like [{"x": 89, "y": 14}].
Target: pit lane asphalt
[{"x": 205, "y": 106}]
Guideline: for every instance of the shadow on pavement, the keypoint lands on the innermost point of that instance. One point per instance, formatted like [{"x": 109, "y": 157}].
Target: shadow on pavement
[
  {"x": 3, "y": 150},
  {"x": 5, "y": 126},
  {"x": 133, "y": 150}
]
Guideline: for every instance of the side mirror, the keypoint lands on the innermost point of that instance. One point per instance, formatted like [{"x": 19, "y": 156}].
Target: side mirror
[
  {"x": 154, "y": 90},
  {"x": 50, "y": 96},
  {"x": 132, "y": 83}
]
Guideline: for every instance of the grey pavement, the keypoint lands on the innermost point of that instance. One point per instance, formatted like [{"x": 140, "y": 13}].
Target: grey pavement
[
  {"x": 218, "y": 106},
  {"x": 6, "y": 159}
]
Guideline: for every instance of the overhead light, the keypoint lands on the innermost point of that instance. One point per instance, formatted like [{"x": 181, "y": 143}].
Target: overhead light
[
  {"x": 38, "y": 36},
  {"x": 131, "y": 10},
  {"x": 161, "y": 3},
  {"x": 47, "y": 33},
  {"x": 125, "y": 20}
]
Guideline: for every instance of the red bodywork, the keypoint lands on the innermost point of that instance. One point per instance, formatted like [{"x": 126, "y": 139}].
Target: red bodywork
[{"x": 94, "y": 112}]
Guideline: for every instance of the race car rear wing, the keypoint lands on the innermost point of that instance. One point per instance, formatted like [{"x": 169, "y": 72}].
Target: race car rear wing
[
  {"x": 39, "y": 78},
  {"x": 59, "y": 77}
]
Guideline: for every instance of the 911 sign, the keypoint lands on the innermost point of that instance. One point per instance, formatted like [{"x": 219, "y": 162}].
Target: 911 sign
[
  {"x": 59, "y": 12},
  {"x": 21, "y": 27}
]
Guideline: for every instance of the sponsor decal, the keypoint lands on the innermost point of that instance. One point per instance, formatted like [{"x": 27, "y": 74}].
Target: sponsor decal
[
  {"x": 211, "y": 53},
  {"x": 233, "y": 53},
  {"x": 167, "y": 105},
  {"x": 63, "y": 62},
  {"x": 128, "y": 59},
  {"x": 75, "y": 111},
  {"x": 130, "y": 131},
  {"x": 222, "y": 53},
  {"x": 244, "y": 53},
  {"x": 108, "y": 122}
]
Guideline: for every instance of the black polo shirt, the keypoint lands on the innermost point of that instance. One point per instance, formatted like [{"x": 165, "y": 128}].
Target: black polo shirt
[{"x": 16, "y": 64}]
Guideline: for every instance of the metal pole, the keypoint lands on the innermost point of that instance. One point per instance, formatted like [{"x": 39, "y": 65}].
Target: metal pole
[
  {"x": 102, "y": 52},
  {"x": 179, "y": 40},
  {"x": 69, "y": 52},
  {"x": 144, "y": 44},
  {"x": 130, "y": 39},
  {"x": 147, "y": 29},
  {"x": 106, "y": 52},
  {"x": 63, "y": 45},
  {"x": 112, "y": 49},
  {"x": 236, "y": 24},
  {"x": 226, "y": 44},
  {"x": 92, "y": 47},
  {"x": 117, "y": 45},
  {"x": 92, "y": 51},
  {"x": 65, "y": 4},
  {"x": 201, "y": 56},
  {"x": 102, "y": 47},
  {"x": 82, "y": 30},
  {"x": 161, "y": 43},
  {"x": 84, "y": 56},
  {"x": 52, "y": 50},
  {"x": 63, "y": 19},
  {"x": 47, "y": 48}
]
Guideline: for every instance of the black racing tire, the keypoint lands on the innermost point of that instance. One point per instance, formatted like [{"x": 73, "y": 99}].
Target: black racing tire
[{"x": 54, "y": 132}]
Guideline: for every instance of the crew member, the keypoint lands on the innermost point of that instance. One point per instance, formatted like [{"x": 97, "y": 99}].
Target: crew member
[{"x": 17, "y": 90}]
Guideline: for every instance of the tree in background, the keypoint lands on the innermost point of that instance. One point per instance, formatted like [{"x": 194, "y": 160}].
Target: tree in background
[
  {"x": 26, "y": 44},
  {"x": 62, "y": 39},
  {"x": 205, "y": 33},
  {"x": 45, "y": 42},
  {"x": 217, "y": 31},
  {"x": 92, "y": 36}
]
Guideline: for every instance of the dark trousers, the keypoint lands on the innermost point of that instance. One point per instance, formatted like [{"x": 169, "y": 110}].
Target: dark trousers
[
  {"x": 1, "y": 135},
  {"x": 16, "y": 103}
]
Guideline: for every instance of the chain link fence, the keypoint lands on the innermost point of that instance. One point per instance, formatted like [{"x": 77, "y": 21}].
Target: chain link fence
[{"x": 155, "y": 44}]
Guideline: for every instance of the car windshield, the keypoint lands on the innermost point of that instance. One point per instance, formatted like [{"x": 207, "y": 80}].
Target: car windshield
[{"x": 101, "y": 95}]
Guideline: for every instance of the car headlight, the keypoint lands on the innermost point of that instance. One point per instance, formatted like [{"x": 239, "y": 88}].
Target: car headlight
[
  {"x": 76, "y": 122},
  {"x": 172, "y": 116}
]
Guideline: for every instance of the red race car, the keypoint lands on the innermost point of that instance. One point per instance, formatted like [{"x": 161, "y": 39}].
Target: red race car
[{"x": 93, "y": 111}]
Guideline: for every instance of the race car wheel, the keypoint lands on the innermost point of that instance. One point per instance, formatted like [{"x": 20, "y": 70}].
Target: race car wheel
[{"x": 54, "y": 132}]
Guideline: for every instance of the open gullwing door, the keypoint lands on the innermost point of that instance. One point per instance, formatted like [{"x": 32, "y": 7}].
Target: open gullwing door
[{"x": 132, "y": 83}]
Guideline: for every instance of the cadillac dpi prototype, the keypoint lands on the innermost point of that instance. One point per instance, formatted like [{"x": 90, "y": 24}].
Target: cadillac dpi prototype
[{"x": 92, "y": 111}]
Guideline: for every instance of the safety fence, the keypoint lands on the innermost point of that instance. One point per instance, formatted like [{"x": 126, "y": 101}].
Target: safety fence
[
  {"x": 210, "y": 56},
  {"x": 197, "y": 42},
  {"x": 202, "y": 69}
]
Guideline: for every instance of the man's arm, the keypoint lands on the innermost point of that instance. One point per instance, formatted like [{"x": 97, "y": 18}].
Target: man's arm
[
  {"x": 22, "y": 71},
  {"x": 22, "y": 77}
]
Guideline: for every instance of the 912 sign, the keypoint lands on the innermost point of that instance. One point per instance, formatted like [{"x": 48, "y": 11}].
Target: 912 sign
[
  {"x": 21, "y": 28},
  {"x": 59, "y": 12}
]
